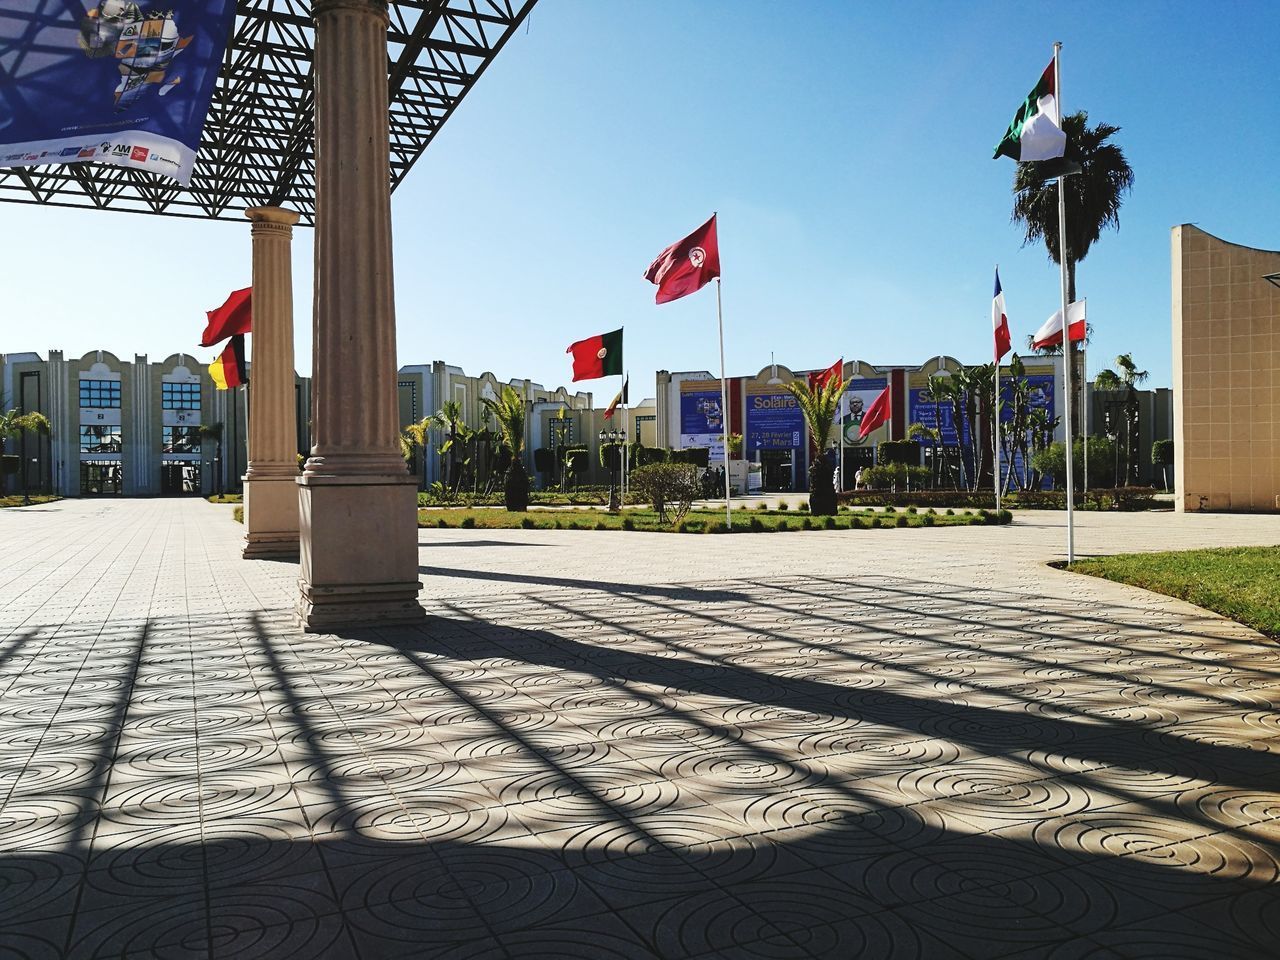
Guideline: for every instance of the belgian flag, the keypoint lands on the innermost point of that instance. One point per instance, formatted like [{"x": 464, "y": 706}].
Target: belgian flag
[{"x": 229, "y": 369}]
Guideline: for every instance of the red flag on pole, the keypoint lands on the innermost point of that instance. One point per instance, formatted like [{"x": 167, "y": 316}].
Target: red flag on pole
[
  {"x": 820, "y": 378},
  {"x": 1050, "y": 334},
  {"x": 686, "y": 266},
  {"x": 234, "y": 316},
  {"x": 879, "y": 413}
]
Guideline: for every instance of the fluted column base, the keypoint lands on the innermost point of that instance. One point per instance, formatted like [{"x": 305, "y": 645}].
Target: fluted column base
[
  {"x": 359, "y": 541},
  {"x": 271, "y": 515}
]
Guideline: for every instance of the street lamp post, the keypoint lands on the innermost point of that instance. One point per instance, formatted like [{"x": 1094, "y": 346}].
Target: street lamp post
[{"x": 612, "y": 437}]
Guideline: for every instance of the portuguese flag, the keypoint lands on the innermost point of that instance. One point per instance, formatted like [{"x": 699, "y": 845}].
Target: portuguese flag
[
  {"x": 229, "y": 369},
  {"x": 1036, "y": 130},
  {"x": 598, "y": 356}
]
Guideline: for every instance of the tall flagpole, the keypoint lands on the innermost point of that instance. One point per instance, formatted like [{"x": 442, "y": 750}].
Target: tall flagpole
[
  {"x": 1066, "y": 326},
  {"x": 995, "y": 454},
  {"x": 626, "y": 433},
  {"x": 724, "y": 409},
  {"x": 1084, "y": 414}
]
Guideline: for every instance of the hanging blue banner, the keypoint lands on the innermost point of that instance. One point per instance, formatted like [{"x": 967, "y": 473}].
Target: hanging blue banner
[
  {"x": 774, "y": 420},
  {"x": 125, "y": 82}
]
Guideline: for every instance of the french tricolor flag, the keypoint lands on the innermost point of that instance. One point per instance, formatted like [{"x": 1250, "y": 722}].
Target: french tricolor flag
[{"x": 1000, "y": 320}]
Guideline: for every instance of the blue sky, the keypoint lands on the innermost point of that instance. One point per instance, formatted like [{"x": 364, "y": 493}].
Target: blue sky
[{"x": 846, "y": 146}]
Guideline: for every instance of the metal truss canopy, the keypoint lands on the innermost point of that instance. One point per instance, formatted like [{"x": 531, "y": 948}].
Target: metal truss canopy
[{"x": 258, "y": 143}]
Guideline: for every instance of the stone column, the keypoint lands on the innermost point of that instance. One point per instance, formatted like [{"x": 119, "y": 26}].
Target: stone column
[
  {"x": 357, "y": 501},
  {"x": 270, "y": 480}
]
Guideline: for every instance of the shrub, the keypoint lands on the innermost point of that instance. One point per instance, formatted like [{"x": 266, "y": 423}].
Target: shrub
[
  {"x": 889, "y": 509},
  {"x": 628, "y": 523},
  {"x": 442, "y": 523},
  {"x": 902, "y": 521},
  {"x": 526, "y": 524},
  {"x": 803, "y": 506},
  {"x": 716, "y": 526},
  {"x": 829, "y": 523},
  {"x": 559, "y": 526},
  {"x": 468, "y": 523},
  {"x": 574, "y": 525},
  {"x": 682, "y": 527},
  {"x": 950, "y": 512},
  {"x": 1006, "y": 516},
  {"x": 806, "y": 524},
  {"x": 927, "y": 520},
  {"x": 857, "y": 523},
  {"x": 912, "y": 510},
  {"x": 783, "y": 505},
  {"x": 601, "y": 525},
  {"x": 755, "y": 526},
  {"x": 666, "y": 486},
  {"x": 694, "y": 456},
  {"x": 762, "y": 506},
  {"x": 782, "y": 526}
]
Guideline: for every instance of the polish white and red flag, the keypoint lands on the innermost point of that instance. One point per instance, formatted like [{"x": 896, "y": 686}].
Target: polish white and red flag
[
  {"x": 1000, "y": 320},
  {"x": 1050, "y": 334}
]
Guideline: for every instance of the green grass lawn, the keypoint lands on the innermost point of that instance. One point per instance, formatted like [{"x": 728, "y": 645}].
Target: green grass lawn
[
  {"x": 696, "y": 521},
  {"x": 16, "y": 501},
  {"x": 1242, "y": 583},
  {"x": 225, "y": 498}
]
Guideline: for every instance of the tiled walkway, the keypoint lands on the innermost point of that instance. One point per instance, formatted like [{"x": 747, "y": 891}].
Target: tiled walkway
[{"x": 889, "y": 743}]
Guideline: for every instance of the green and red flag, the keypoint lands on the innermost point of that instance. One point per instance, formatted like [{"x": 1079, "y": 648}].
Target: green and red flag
[
  {"x": 598, "y": 356},
  {"x": 229, "y": 369},
  {"x": 619, "y": 399},
  {"x": 233, "y": 317},
  {"x": 1036, "y": 130}
]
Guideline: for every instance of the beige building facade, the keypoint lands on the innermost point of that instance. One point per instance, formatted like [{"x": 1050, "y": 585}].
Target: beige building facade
[{"x": 1226, "y": 373}]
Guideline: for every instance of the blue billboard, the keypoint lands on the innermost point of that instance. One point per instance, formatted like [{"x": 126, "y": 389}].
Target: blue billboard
[
  {"x": 124, "y": 82},
  {"x": 774, "y": 420},
  {"x": 937, "y": 415}
]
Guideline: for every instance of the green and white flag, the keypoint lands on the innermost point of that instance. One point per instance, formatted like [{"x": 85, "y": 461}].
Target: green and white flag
[{"x": 1036, "y": 131}]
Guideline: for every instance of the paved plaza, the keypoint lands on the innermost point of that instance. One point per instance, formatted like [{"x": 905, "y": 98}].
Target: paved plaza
[{"x": 850, "y": 744}]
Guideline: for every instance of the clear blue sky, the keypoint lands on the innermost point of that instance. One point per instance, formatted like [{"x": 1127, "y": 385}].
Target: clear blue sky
[{"x": 846, "y": 145}]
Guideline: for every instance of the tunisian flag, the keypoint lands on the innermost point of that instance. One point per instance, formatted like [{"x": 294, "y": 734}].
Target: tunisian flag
[
  {"x": 1000, "y": 320},
  {"x": 1051, "y": 333},
  {"x": 820, "y": 378},
  {"x": 234, "y": 316},
  {"x": 686, "y": 266},
  {"x": 878, "y": 414}
]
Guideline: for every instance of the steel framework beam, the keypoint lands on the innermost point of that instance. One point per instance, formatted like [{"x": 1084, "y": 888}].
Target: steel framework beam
[{"x": 257, "y": 148}]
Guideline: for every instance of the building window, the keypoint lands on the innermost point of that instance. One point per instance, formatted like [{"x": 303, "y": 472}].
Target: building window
[
  {"x": 179, "y": 396},
  {"x": 99, "y": 439},
  {"x": 181, "y": 439},
  {"x": 100, "y": 394}
]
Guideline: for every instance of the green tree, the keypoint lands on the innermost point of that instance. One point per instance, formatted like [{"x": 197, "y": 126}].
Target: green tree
[
  {"x": 214, "y": 431},
  {"x": 509, "y": 412},
  {"x": 1124, "y": 379},
  {"x": 12, "y": 426},
  {"x": 818, "y": 407},
  {"x": 413, "y": 439},
  {"x": 447, "y": 420},
  {"x": 1093, "y": 200}
]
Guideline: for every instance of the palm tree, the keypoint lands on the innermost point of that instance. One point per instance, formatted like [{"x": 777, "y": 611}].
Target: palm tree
[
  {"x": 213, "y": 431},
  {"x": 12, "y": 426},
  {"x": 447, "y": 419},
  {"x": 918, "y": 432},
  {"x": 979, "y": 387},
  {"x": 1093, "y": 199},
  {"x": 941, "y": 390},
  {"x": 1126, "y": 380},
  {"x": 509, "y": 412},
  {"x": 415, "y": 437},
  {"x": 818, "y": 406}
]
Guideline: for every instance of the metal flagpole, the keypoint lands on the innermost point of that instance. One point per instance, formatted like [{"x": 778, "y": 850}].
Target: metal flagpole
[
  {"x": 626, "y": 434},
  {"x": 1066, "y": 327},
  {"x": 1084, "y": 414},
  {"x": 995, "y": 455},
  {"x": 724, "y": 409}
]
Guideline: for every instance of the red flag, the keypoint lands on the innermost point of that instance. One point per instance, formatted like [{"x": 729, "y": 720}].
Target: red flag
[
  {"x": 686, "y": 266},
  {"x": 880, "y": 412},
  {"x": 1051, "y": 333},
  {"x": 820, "y": 378},
  {"x": 234, "y": 316}
]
